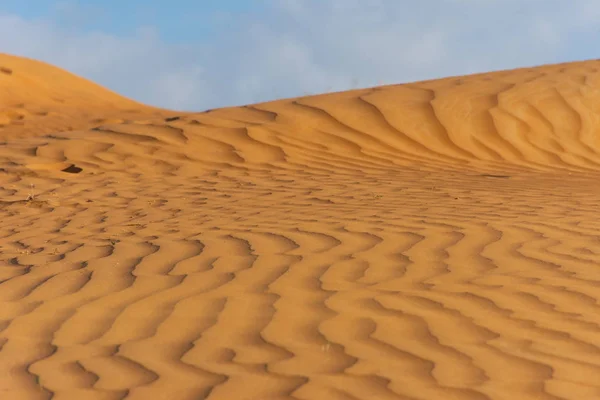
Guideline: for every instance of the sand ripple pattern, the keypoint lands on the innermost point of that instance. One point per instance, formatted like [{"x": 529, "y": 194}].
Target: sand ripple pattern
[{"x": 427, "y": 241}]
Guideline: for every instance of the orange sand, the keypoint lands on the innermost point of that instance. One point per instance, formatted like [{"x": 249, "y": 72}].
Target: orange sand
[{"x": 434, "y": 240}]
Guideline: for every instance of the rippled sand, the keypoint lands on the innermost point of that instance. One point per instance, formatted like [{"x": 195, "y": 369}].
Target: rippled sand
[{"x": 434, "y": 240}]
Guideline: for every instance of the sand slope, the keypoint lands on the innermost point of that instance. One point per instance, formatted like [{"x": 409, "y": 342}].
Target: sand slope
[
  {"x": 37, "y": 98},
  {"x": 435, "y": 240}
]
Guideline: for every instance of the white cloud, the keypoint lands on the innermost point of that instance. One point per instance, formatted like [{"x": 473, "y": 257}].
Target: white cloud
[{"x": 312, "y": 46}]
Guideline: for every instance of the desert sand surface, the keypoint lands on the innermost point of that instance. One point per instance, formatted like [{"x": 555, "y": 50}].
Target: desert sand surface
[{"x": 432, "y": 240}]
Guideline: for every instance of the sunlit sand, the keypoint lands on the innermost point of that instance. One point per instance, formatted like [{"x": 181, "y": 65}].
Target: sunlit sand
[{"x": 432, "y": 240}]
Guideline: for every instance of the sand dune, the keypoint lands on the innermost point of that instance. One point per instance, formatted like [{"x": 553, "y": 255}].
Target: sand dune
[
  {"x": 434, "y": 240},
  {"x": 37, "y": 98}
]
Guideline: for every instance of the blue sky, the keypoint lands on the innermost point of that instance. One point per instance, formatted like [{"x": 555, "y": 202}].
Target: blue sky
[
  {"x": 176, "y": 21},
  {"x": 195, "y": 55}
]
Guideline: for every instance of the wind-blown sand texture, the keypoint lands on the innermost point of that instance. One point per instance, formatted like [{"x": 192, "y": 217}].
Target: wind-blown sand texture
[{"x": 434, "y": 240}]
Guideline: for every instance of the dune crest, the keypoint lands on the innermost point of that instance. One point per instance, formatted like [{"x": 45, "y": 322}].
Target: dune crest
[
  {"x": 432, "y": 240},
  {"x": 38, "y": 98}
]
